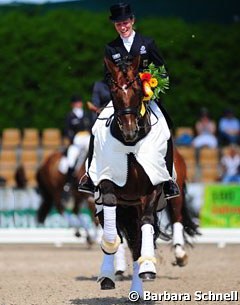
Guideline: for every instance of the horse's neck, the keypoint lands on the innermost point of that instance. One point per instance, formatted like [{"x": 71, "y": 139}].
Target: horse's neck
[{"x": 144, "y": 125}]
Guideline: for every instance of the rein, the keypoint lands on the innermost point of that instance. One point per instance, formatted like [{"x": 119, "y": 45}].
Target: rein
[{"x": 128, "y": 111}]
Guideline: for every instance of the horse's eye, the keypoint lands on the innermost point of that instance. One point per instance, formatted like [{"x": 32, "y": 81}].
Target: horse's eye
[{"x": 114, "y": 89}]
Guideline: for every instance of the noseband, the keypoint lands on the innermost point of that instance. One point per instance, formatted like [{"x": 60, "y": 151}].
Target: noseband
[{"x": 128, "y": 110}]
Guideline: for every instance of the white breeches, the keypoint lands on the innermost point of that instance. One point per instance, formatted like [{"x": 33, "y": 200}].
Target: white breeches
[
  {"x": 79, "y": 149},
  {"x": 208, "y": 140}
]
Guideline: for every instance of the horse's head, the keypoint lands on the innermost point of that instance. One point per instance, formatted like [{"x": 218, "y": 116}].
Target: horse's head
[{"x": 127, "y": 96}]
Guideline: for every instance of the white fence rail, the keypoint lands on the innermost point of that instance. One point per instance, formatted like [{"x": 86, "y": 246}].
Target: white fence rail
[{"x": 67, "y": 236}]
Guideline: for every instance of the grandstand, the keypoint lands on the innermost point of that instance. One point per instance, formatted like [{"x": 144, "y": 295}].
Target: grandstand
[{"x": 29, "y": 147}]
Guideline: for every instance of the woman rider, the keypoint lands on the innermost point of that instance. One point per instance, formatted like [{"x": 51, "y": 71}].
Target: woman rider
[{"x": 128, "y": 45}]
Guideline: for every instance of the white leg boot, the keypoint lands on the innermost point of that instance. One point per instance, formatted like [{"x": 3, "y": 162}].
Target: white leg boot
[
  {"x": 147, "y": 260},
  {"x": 110, "y": 240}
]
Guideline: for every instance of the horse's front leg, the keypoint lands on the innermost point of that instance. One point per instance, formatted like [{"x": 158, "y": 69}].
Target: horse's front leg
[
  {"x": 110, "y": 240},
  {"x": 147, "y": 260}
]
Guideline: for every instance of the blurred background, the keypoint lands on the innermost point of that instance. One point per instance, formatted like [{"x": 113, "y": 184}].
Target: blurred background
[{"x": 50, "y": 50}]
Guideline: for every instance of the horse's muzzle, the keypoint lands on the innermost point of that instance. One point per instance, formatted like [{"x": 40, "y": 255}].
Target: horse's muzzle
[{"x": 130, "y": 136}]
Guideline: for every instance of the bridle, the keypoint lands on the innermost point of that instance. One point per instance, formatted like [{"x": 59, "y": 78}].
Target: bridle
[{"x": 128, "y": 110}]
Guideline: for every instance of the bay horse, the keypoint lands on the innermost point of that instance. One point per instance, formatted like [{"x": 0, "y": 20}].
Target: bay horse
[
  {"x": 131, "y": 208},
  {"x": 181, "y": 226},
  {"x": 51, "y": 183}
]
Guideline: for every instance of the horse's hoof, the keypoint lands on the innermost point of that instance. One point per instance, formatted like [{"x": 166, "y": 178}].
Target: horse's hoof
[
  {"x": 180, "y": 256},
  {"x": 119, "y": 275},
  {"x": 107, "y": 284},
  {"x": 147, "y": 269},
  {"x": 147, "y": 276},
  {"x": 182, "y": 261},
  {"x": 89, "y": 241},
  {"x": 78, "y": 234}
]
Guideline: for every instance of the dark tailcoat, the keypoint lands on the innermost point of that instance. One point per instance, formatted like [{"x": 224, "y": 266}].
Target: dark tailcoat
[
  {"x": 143, "y": 46},
  {"x": 75, "y": 124}
]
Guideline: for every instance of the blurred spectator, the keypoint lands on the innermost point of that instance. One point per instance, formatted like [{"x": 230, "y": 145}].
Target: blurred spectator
[
  {"x": 229, "y": 129},
  {"x": 78, "y": 119},
  {"x": 185, "y": 138},
  {"x": 230, "y": 164},
  {"x": 78, "y": 125},
  {"x": 205, "y": 130}
]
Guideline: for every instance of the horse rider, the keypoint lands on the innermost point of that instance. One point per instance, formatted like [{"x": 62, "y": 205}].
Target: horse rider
[
  {"x": 78, "y": 125},
  {"x": 128, "y": 45}
]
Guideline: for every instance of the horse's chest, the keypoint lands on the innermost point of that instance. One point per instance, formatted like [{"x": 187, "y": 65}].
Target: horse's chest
[{"x": 138, "y": 182}]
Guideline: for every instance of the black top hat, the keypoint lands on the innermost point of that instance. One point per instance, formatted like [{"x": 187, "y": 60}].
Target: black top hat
[{"x": 120, "y": 12}]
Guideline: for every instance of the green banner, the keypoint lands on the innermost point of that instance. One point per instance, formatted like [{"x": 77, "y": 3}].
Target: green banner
[{"x": 221, "y": 206}]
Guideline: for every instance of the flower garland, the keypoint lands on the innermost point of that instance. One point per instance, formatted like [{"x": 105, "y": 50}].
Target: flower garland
[{"x": 154, "y": 81}]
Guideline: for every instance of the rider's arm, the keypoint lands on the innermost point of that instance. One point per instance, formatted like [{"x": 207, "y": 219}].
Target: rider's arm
[
  {"x": 154, "y": 55},
  {"x": 95, "y": 95}
]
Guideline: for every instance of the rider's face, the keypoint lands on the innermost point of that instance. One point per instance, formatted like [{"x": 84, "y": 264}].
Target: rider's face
[
  {"x": 77, "y": 104},
  {"x": 124, "y": 28}
]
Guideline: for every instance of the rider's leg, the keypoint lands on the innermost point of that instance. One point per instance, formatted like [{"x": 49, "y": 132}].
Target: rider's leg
[
  {"x": 86, "y": 185},
  {"x": 72, "y": 155},
  {"x": 170, "y": 187},
  {"x": 81, "y": 140}
]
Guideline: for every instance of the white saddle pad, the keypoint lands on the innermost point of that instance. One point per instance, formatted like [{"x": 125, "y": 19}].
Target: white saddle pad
[{"x": 110, "y": 155}]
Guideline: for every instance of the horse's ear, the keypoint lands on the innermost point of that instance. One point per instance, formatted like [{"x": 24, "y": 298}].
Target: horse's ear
[
  {"x": 110, "y": 66},
  {"x": 135, "y": 64}
]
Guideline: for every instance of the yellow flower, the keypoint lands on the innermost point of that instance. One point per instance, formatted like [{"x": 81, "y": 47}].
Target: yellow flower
[
  {"x": 147, "y": 91},
  {"x": 153, "y": 82}
]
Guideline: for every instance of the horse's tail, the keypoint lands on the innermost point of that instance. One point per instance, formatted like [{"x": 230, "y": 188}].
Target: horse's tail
[
  {"x": 47, "y": 200},
  {"x": 190, "y": 227}
]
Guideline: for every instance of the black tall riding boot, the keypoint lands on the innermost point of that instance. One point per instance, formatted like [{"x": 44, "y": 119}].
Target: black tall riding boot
[
  {"x": 170, "y": 187},
  {"x": 69, "y": 179},
  {"x": 86, "y": 185}
]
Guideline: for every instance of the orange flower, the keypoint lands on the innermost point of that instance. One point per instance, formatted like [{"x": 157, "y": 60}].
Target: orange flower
[
  {"x": 145, "y": 76},
  {"x": 153, "y": 82}
]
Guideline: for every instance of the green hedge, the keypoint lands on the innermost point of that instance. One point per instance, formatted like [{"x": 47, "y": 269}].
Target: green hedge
[{"x": 45, "y": 58}]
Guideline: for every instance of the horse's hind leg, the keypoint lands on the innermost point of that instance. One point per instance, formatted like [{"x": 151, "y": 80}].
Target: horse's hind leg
[
  {"x": 44, "y": 209},
  {"x": 120, "y": 262},
  {"x": 178, "y": 238},
  {"x": 46, "y": 204}
]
